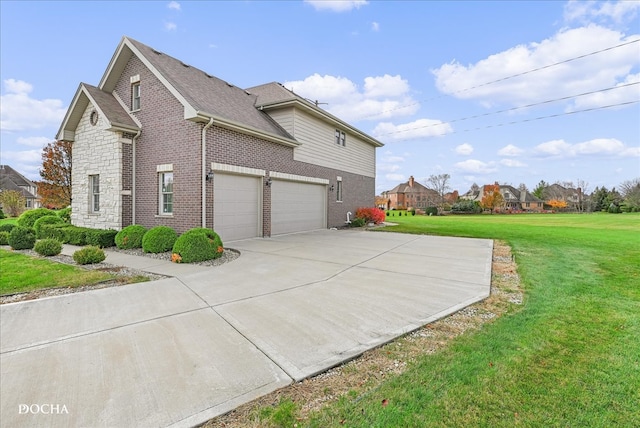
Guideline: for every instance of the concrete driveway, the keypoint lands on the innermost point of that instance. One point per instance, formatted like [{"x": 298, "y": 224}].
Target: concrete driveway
[{"x": 179, "y": 351}]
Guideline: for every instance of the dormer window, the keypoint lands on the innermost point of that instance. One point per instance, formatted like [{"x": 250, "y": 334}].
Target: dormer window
[{"x": 135, "y": 96}]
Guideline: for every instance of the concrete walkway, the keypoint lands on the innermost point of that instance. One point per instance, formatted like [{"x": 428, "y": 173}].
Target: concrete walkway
[{"x": 179, "y": 351}]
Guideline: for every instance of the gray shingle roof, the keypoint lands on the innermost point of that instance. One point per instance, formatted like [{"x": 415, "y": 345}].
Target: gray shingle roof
[
  {"x": 113, "y": 110},
  {"x": 208, "y": 94}
]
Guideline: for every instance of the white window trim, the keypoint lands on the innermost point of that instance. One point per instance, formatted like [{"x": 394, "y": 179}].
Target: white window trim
[
  {"x": 133, "y": 96},
  {"x": 161, "y": 194},
  {"x": 93, "y": 196},
  {"x": 339, "y": 190}
]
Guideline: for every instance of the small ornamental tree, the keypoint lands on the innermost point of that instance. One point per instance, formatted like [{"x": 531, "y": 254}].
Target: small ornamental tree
[
  {"x": 492, "y": 198},
  {"x": 13, "y": 202},
  {"x": 370, "y": 215},
  {"x": 55, "y": 187},
  {"x": 557, "y": 204}
]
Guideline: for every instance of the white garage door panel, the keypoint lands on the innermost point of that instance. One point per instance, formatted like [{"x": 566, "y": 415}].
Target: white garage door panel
[
  {"x": 296, "y": 207},
  {"x": 236, "y": 207}
]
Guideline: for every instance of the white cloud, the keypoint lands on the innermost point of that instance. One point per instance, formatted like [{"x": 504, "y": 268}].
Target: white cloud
[
  {"x": 375, "y": 26},
  {"x": 421, "y": 128},
  {"x": 20, "y": 112},
  {"x": 336, "y": 5},
  {"x": 382, "y": 96},
  {"x": 395, "y": 177},
  {"x": 464, "y": 149},
  {"x": 170, "y": 26},
  {"x": 627, "y": 90},
  {"x": 510, "y": 150},
  {"x": 23, "y": 157},
  {"x": 475, "y": 166},
  {"x": 597, "y": 147},
  {"x": 388, "y": 168},
  {"x": 512, "y": 163},
  {"x": 599, "y": 71},
  {"x": 619, "y": 11},
  {"x": 34, "y": 141},
  {"x": 174, "y": 5}
]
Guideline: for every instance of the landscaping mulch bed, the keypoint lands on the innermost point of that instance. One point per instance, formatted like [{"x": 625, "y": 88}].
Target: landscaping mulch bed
[{"x": 368, "y": 371}]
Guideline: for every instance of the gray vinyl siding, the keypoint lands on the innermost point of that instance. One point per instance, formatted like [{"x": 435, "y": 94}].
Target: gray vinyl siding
[{"x": 319, "y": 147}]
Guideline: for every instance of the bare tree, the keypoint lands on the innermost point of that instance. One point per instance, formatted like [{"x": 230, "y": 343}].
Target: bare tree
[
  {"x": 440, "y": 184},
  {"x": 582, "y": 187},
  {"x": 630, "y": 191}
]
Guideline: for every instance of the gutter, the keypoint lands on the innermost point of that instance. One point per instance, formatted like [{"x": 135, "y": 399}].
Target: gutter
[{"x": 203, "y": 174}]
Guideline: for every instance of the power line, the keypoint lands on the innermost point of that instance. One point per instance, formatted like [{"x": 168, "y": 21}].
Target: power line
[
  {"x": 517, "y": 121},
  {"x": 513, "y": 108},
  {"x": 502, "y": 79}
]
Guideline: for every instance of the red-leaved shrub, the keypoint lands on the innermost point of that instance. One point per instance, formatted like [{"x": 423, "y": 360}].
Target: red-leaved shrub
[{"x": 370, "y": 215}]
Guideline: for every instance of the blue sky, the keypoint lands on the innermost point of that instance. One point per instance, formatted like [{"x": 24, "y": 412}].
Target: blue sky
[{"x": 443, "y": 84}]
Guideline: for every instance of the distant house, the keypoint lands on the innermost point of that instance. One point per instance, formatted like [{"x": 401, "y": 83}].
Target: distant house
[
  {"x": 10, "y": 179},
  {"x": 159, "y": 142},
  {"x": 514, "y": 199},
  {"x": 410, "y": 195},
  {"x": 573, "y": 197}
]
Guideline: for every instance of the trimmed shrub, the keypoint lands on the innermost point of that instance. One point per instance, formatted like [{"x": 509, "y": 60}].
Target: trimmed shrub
[
  {"x": 48, "y": 219},
  {"x": 6, "y": 227},
  {"x": 159, "y": 239},
  {"x": 54, "y": 231},
  {"x": 89, "y": 255},
  {"x": 431, "y": 211},
  {"x": 65, "y": 214},
  {"x": 130, "y": 237},
  {"x": 357, "y": 222},
  {"x": 4, "y": 237},
  {"x": 2, "y": 214},
  {"x": 102, "y": 238},
  {"x": 28, "y": 218},
  {"x": 197, "y": 245},
  {"x": 370, "y": 215},
  {"x": 22, "y": 238},
  {"x": 48, "y": 247}
]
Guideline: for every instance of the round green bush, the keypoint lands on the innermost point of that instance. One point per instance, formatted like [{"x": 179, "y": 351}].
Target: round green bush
[
  {"x": 48, "y": 219},
  {"x": 6, "y": 227},
  {"x": 2, "y": 214},
  {"x": 48, "y": 247},
  {"x": 22, "y": 238},
  {"x": 159, "y": 239},
  {"x": 89, "y": 255},
  {"x": 4, "y": 237},
  {"x": 65, "y": 214},
  {"x": 130, "y": 237},
  {"x": 28, "y": 218},
  {"x": 197, "y": 245}
]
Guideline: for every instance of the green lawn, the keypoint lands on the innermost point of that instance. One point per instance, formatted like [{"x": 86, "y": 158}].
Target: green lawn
[
  {"x": 569, "y": 357},
  {"x": 11, "y": 220},
  {"x": 20, "y": 273}
]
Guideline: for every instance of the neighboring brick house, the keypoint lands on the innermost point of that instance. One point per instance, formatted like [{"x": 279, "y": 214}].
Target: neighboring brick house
[
  {"x": 410, "y": 195},
  {"x": 159, "y": 142},
  {"x": 10, "y": 179},
  {"x": 514, "y": 199}
]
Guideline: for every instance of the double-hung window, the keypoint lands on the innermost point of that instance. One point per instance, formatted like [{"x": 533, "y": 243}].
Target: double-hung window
[
  {"x": 135, "y": 96},
  {"x": 166, "y": 193},
  {"x": 94, "y": 189},
  {"x": 339, "y": 190},
  {"x": 341, "y": 138}
]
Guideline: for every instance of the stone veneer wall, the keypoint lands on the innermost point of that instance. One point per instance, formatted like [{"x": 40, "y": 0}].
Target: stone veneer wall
[{"x": 96, "y": 151}]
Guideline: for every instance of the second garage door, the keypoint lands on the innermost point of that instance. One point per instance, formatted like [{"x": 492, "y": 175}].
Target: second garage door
[
  {"x": 237, "y": 206},
  {"x": 297, "y": 206}
]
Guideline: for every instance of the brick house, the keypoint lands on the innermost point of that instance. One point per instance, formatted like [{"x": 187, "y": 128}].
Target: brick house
[
  {"x": 514, "y": 199},
  {"x": 159, "y": 142},
  {"x": 410, "y": 195}
]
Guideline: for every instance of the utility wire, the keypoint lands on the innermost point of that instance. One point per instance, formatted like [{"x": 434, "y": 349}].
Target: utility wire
[
  {"x": 502, "y": 79},
  {"x": 513, "y": 108},
  {"x": 514, "y": 122}
]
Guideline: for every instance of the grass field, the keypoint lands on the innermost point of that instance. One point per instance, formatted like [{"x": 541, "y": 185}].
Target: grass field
[{"x": 569, "y": 357}]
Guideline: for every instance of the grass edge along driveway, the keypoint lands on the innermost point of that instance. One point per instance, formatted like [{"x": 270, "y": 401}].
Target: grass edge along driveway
[
  {"x": 22, "y": 273},
  {"x": 569, "y": 357}
]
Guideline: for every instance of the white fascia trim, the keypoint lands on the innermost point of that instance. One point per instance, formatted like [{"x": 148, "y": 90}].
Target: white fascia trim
[
  {"x": 293, "y": 177},
  {"x": 235, "y": 169},
  {"x": 63, "y": 133}
]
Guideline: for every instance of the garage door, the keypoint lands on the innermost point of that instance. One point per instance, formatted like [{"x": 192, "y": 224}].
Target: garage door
[
  {"x": 297, "y": 207},
  {"x": 237, "y": 206}
]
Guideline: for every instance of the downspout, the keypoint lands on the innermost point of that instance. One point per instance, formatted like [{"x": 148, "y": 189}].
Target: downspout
[
  {"x": 133, "y": 178},
  {"x": 204, "y": 172}
]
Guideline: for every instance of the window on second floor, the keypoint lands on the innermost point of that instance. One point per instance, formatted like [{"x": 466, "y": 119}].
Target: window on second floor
[
  {"x": 341, "y": 138},
  {"x": 135, "y": 96}
]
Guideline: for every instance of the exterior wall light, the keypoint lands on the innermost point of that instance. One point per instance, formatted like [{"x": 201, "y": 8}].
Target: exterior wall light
[{"x": 209, "y": 175}]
